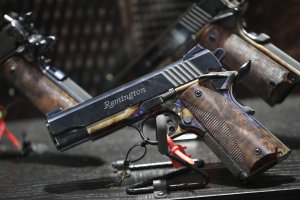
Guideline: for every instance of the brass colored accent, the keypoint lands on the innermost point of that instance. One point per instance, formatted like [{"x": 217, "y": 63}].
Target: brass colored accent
[
  {"x": 111, "y": 120},
  {"x": 185, "y": 86},
  {"x": 267, "y": 52},
  {"x": 272, "y": 80},
  {"x": 186, "y": 112},
  {"x": 260, "y": 47}
]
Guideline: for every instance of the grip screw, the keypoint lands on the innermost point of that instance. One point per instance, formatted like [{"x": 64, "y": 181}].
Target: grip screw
[
  {"x": 198, "y": 93},
  {"x": 257, "y": 151},
  {"x": 187, "y": 119}
]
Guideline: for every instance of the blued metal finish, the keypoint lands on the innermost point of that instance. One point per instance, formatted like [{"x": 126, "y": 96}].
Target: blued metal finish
[
  {"x": 178, "y": 36},
  {"x": 128, "y": 95}
]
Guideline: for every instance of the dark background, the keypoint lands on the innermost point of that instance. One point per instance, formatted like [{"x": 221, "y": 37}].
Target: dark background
[{"x": 98, "y": 38}]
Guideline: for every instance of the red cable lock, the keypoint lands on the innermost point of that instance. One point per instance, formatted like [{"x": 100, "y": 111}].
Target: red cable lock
[
  {"x": 4, "y": 130},
  {"x": 179, "y": 151}
]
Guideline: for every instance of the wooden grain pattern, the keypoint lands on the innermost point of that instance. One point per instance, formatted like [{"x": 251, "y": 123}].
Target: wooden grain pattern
[
  {"x": 272, "y": 81},
  {"x": 39, "y": 89},
  {"x": 78, "y": 175},
  {"x": 233, "y": 135},
  {"x": 111, "y": 121}
]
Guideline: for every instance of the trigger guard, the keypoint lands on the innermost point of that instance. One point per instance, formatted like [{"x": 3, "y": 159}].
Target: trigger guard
[{"x": 139, "y": 127}]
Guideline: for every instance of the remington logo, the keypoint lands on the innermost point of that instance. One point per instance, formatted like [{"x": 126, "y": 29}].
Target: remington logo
[{"x": 127, "y": 97}]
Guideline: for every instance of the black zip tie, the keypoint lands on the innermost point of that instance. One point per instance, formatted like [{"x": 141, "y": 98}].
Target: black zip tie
[
  {"x": 127, "y": 162},
  {"x": 192, "y": 167}
]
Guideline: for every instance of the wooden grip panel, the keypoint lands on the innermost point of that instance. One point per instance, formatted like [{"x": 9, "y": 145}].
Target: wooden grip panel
[
  {"x": 39, "y": 89},
  {"x": 239, "y": 140},
  {"x": 267, "y": 78}
]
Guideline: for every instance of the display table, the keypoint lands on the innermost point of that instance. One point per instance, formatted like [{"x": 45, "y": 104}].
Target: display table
[{"x": 85, "y": 172}]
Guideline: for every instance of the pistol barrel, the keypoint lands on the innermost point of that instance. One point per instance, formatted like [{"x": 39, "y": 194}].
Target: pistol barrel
[{"x": 79, "y": 119}]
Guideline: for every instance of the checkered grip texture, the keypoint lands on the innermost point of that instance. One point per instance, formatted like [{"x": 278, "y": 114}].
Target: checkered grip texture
[{"x": 235, "y": 136}]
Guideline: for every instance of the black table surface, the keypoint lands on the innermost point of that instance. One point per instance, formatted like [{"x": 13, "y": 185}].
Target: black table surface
[{"x": 85, "y": 171}]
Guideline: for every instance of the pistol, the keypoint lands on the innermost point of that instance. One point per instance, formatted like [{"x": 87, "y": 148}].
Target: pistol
[
  {"x": 190, "y": 95},
  {"x": 25, "y": 63},
  {"x": 220, "y": 23}
]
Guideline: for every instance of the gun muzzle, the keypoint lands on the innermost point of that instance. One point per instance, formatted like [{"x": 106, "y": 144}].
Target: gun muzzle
[
  {"x": 66, "y": 139},
  {"x": 69, "y": 139}
]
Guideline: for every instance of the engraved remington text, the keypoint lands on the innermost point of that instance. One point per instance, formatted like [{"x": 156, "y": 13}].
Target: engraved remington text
[{"x": 127, "y": 97}]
